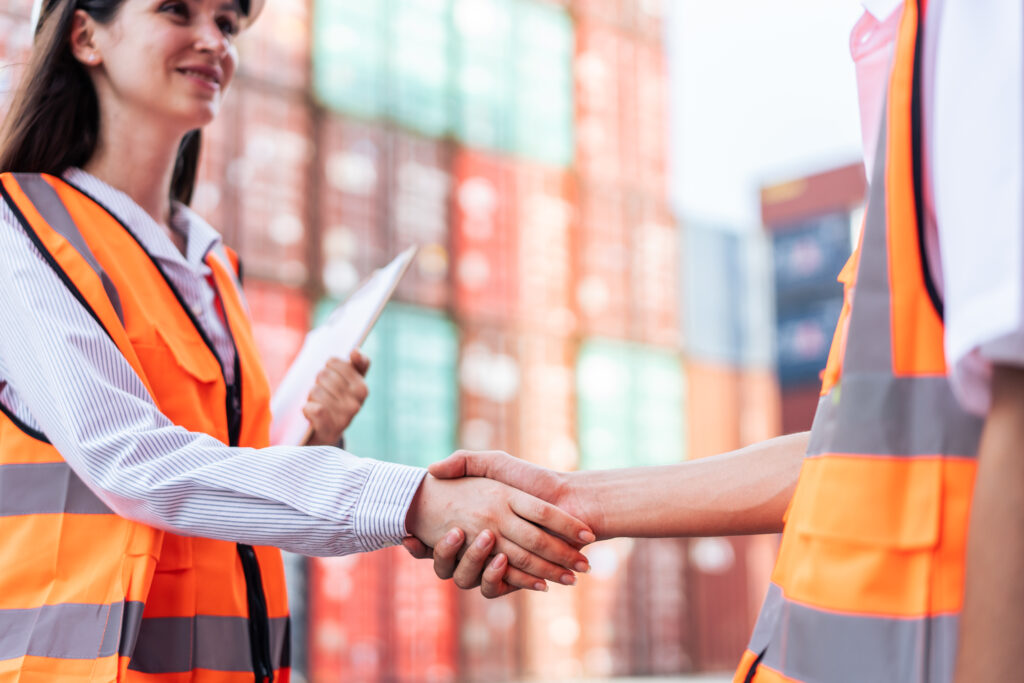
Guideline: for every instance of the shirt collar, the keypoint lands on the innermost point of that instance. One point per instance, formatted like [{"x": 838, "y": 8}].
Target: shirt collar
[{"x": 200, "y": 237}]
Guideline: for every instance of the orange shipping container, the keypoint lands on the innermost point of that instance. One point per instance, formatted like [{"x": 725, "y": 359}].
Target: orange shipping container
[
  {"x": 550, "y": 628},
  {"x": 660, "y": 637},
  {"x": 605, "y": 609},
  {"x": 489, "y": 647},
  {"x": 600, "y": 93},
  {"x": 15, "y": 45},
  {"x": 798, "y": 407},
  {"x": 214, "y": 198},
  {"x": 644, "y": 79},
  {"x": 548, "y": 401},
  {"x": 713, "y": 408},
  {"x": 272, "y": 175},
  {"x": 718, "y": 593},
  {"x": 423, "y": 622}
]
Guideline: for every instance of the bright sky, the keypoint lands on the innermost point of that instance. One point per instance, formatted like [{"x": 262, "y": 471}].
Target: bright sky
[{"x": 762, "y": 90}]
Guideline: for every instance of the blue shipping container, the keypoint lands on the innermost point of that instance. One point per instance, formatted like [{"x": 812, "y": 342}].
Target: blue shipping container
[
  {"x": 809, "y": 255},
  {"x": 804, "y": 333}
]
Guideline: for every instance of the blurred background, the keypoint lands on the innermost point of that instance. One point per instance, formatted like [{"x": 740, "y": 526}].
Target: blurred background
[{"x": 631, "y": 215}]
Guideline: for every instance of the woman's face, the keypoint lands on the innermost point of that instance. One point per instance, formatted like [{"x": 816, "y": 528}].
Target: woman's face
[{"x": 170, "y": 59}]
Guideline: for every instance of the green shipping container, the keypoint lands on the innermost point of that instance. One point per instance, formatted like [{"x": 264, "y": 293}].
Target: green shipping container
[
  {"x": 631, "y": 405},
  {"x": 350, "y": 56},
  {"x": 483, "y": 72},
  {"x": 410, "y": 416},
  {"x": 543, "y": 110},
  {"x": 419, "y": 87}
]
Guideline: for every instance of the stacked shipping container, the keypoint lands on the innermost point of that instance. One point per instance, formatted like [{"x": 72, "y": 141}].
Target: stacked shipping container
[{"x": 522, "y": 144}]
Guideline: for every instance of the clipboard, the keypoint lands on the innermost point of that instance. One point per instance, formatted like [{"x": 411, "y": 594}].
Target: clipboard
[{"x": 345, "y": 329}]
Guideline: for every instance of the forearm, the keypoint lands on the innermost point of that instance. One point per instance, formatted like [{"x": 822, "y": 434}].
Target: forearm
[
  {"x": 740, "y": 492},
  {"x": 992, "y": 624}
]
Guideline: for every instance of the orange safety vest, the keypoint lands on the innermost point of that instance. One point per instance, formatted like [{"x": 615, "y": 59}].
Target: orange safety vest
[
  {"x": 86, "y": 595},
  {"x": 869, "y": 579}
]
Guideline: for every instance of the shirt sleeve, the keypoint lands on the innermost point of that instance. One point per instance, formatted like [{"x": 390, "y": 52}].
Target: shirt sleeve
[
  {"x": 95, "y": 410},
  {"x": 977, "y": 170}
]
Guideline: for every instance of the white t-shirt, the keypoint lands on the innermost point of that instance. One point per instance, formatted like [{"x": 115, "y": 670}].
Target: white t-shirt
[{"x": 973, "y": 94}]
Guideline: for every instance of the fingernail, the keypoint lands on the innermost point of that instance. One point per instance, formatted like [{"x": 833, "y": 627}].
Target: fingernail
[
  {"x": 453, "y": 537},
  {"x": 582, "y": 567},
  {"x": 587, "y": 537},
  {"x": 483, "y": 540},
  {"x": 498, "y": 562},
  {"x": 540, "y": 586},
  {"x": 568, "y": 579}
]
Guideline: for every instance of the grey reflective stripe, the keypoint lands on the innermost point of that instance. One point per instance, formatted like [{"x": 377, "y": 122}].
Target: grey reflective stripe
[
  {"x": 53, "y": 211},
  {"x": 130, "y": 629},
  {"x": 66, "y": 631},
  {"x": 808, "y": 644},
  {"x": 46, "y": 488},
  {"x": 872, "y": 414},
  {"x": 869, "y": 341},
  {"x": 180, "y": 644}
]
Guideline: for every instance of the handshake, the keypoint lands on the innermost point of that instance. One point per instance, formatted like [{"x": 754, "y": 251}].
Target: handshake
[{"x": 524, "y": 524}]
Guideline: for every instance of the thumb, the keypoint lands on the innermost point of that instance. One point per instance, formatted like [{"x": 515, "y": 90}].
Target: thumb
[{"x": 452, "y": 467}]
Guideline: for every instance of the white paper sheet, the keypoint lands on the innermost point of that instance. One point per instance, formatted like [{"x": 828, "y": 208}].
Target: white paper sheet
[{"x": 344, "y": 330}]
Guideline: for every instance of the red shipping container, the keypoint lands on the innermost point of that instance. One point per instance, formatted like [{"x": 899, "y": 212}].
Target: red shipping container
[
  {"x": 603, "y": 263},
  {"x": 489, "y": 389},
  {"x": 482, "y": 239},
  {"x": 646, "y": 19},
  {"x": 610, "y": 12},
  {"x": 348, "y": 619},
  {"x": 280, "y": 320},
  {"x": 423, "y": 622},
  {"x": 419, "y": 193},
  {"x": 545, "y": 226},
  {"x": 605, "y": 608},
  {"x": 718, "y": 597},
  {"x": 655, "y": 266},
  {"x": 489, "y": 647},
  {"x": 659, "y": 632},
  {"x": 352, "y": 158},
  {"x": 550, "y": 628},
  {"x": 15, "y": 48},
  {"x": 644, "y": 79},
  {"x": 798, "y": 407},
  {"x": 600, "y": 94},
  {"x": 214, "y": 198},
  {"x": 272, "y": 176},
  {"x": 276, "y": 49},
  {"x": 548, "y": 401}
]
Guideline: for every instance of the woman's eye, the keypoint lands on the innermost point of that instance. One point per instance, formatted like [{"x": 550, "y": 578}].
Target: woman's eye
[
  {"x": 228, "y": 26},
  {"x": 178, "y": 8}
]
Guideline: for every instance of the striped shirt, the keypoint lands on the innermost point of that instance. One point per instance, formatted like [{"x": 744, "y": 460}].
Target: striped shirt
[{"x": 62, "y": 375}]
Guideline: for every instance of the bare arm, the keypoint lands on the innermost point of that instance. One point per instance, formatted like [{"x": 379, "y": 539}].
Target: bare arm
[
  {"x": 992, "y": 624},
  {"x": 740, "y": 492}
]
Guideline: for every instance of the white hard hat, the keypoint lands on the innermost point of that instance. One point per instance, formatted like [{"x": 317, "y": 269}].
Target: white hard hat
[{"x": 254, "y": 6}]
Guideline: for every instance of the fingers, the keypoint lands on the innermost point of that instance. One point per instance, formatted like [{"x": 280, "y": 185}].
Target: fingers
[
  {"x": 553, "y": 519},
  {"x": 360, "y": 363},
  {"x": 540, "y": 554},
  {"x": 341, "y": 379},
  {"x": 416, "y": 547},
  {"x": 446, "y": 553},
  {"x": 471, "y": 566}
]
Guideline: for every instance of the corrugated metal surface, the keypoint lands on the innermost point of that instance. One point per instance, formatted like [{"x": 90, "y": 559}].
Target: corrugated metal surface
[
  {"x": 719, "y": 601},
  {"x": 604, "y": 602},
  {"x": 644, "y": 122},
  {"x": 350, "y": 53},
  {"x": 798, "y": 407},
  {"x": 659, "y": 631},
  {"x": 490, "y": 380},
  {"x": 280, "y": 320},
  {"x": 484, "y": 48},
  {"x": 274, "y": 166},
  {"x": 423, "y": 631},
  {"x": 489, "y": 638},
  {"x": 419, "y": 44},
  {"x": 352, "y": 167},
  {"x": 809, "y": 255},
  {"x": 214, "y": 198},
  {"x": 545, "y": 224},
  {"x": 277, "y": 47},
  {"x": 713, "y": 408},
  {"x": 543, "y": 124},
  {"x": 550, "y": 628},
  {"x": 600, "y": 94},
  {"x": 419, "y": 192},
  {"x": 805, "y": 331},
  {"x": 548, "y": 401},
  {"x": 603, "y": 263},
  {"x": 482, "y": 239},
  {"x": 654, "y": 278},
  {"x": 712, "y": 294}
]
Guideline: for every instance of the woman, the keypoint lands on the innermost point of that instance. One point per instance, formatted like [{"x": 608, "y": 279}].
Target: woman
[{"x": 133, "y": 434}]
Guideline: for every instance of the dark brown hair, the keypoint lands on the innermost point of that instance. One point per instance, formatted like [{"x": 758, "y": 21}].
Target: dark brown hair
[{"x": 53, "y": 121}]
